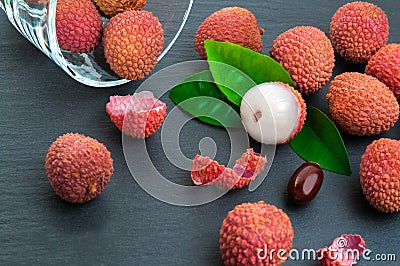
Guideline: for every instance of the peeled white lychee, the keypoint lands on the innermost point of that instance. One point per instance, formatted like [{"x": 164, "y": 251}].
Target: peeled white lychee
[{"x": 272, "y": 112}]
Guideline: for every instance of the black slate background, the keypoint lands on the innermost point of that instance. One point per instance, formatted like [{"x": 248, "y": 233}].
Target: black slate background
[{"x": 126, "y": 226}]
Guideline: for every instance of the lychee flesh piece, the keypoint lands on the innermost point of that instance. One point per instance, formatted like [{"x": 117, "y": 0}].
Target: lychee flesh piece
[
  {"x": 380, "y": 175},
  {"x": 344, "y": 251},
  {"x": 78, "y": 25},
  {"x": 385, "y": 66},
  {"x": 78, "y": 167},
  {"x": 139, "y": 115},
  {"x": 231, "y": 24},
  {"x": 251, "y": 229},
  {"x": 361, "y": 105},
  {"x": 308, "y": 56},
  {"x": 358, "y": 30},
  {"x": 133, "y": 40},
  {"x": 204, "y": 170},
  {"x": 273, "y": 112},
  {"x": 111, "y": 8}
]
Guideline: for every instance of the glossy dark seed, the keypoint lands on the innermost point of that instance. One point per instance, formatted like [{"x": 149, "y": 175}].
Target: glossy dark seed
[{"x": 305, "y": 183}]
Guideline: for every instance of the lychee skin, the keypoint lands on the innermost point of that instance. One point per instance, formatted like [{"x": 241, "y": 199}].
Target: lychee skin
[
  {"x": 247, "y": 167},
  {"x": 133, "y": 40},
  {"x": 111, "y": 8},
  {"x": 380, "y": 176},
  {"x": 139, "y": 115},
  {"x": 358, "y": 30},
  {"x": 78, "y": 167},
  {"x": 361, "y": 105},
  {"x": 78, "y": 26},
  {"x": 307, "y": 54},
  {"x": 231, "y": 24},
  {"x": 385, "y": 66},
  {"x": 251, "y": 231}
]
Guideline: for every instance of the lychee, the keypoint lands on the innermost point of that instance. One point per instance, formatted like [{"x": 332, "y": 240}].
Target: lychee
[
  {"x": 78, "y": 25},
  {"x": 361, "y": 105},
  {"x": 139, "y": 115},
  {"x": 231, "y": 24},
  {"x": 358, "y": 30},
  {"x": 272, "y": 112},
  {"x": 345, "y": 250},
  {"x": 380, "y": 176},
  {"x": 307, "y": 54},
  {"x": 256, "y": 234},
  {"x": 78, "y": 167},
  {"x": 247, "y": 167},
  {"x": 111, "y": 8},
  {"x": 385, "y": 66},
  {"x": 133, "y": 40}
]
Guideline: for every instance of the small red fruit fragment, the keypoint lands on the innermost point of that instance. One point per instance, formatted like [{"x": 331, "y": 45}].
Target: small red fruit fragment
[
  {"x": 305, "y": 183},
  {"x": 139, "y": 115},
  {"x": 344, "y": 251},
  {"x": 247, "y": 167}
]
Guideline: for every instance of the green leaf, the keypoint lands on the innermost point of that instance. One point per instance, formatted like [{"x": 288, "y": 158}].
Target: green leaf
[
  {"x": 240, "y": 69},
  {"x": 320, "y": 141},
  {"x": 200, "y": 96}
]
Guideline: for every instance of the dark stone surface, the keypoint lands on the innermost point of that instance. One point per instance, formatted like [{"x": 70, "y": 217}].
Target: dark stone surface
[{"x": 125, "y": 225}]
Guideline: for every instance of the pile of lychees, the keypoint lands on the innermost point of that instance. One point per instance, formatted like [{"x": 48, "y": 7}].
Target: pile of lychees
[
  {"x": 132, "y": 38},
  {"x": 360, "y": 104}
]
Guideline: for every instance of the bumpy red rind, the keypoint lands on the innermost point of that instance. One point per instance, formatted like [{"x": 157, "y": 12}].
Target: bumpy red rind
[
  {"x": 137, "y": 124},
  {"x": 206, "y": 171}
]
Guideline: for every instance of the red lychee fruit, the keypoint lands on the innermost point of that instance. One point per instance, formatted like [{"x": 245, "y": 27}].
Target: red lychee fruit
[
  {"x": 361, "y": 105},
  {"x": 78, "y": 25},
  {"x": 307, "y": 54},
  {"x": 385, "y": 66},
  {"x": 78, "y": 167},
  {"x": 380, "y": 175},
  {"x": 231, "y": 24},
  {"x": 111, "y": 8},
  {"x": 358, "y": 30},
  {"x": 256, "y": 234},
  {"x": 247, "y": 167},
  {"x": 133, "y": 40},
  {"x": 139, "y": 115}
]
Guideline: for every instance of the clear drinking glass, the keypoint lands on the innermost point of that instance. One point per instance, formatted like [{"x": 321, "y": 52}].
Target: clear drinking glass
[{"x": 35, "y": 20}]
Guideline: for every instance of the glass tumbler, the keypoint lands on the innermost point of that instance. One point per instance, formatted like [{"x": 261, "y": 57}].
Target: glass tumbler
[{"x": 35, "y": 20}]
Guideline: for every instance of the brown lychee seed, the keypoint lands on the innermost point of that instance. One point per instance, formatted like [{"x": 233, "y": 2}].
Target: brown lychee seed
[
  {"x": 361, "y": 105},
  {"x": 111, "y": 8},
  {"x": 380, "y": 176},
  {"x": 133, "y": 40},
  {"x": 231, "y": 24},
  {"x": 358, "y": 30},
  {"x": 78, "y": 26},
  {"x": 78, "y": 167},
  {"x": 385, "y": 66},
  {"x": 307, "y": 54},
  {"x": 254, "y": 234}
]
